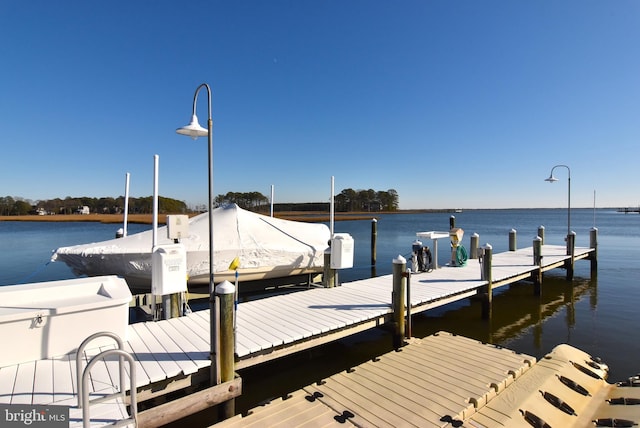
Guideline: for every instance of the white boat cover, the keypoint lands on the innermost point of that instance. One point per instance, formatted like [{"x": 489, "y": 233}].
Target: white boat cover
[{"x": 267, "y": 247}]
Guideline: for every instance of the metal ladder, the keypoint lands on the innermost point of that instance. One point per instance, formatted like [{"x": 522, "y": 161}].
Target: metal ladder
[{"x": 82, "y": 377}]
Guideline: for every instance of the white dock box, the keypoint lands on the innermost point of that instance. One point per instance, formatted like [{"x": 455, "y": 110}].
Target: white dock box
[
  {"x": 177, "y": 226},
  {"x": 341, "y": 251},
  {"x": 169, "y": 270},
  {"x": 49, "y": 319}
]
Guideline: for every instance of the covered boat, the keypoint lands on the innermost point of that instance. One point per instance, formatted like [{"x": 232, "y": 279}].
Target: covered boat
[{"x": 266, "y": 247}]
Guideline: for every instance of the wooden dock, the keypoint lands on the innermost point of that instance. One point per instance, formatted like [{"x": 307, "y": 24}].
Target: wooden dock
[{"x": 173, "y": 354}]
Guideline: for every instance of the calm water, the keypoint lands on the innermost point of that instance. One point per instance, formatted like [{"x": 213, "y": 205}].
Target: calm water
[{"x": 597, "y": 314}]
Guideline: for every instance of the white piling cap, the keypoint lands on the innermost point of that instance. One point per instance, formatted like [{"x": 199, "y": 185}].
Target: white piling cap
[
  {"x": 225, "y": 287},
  {"x": 487, "y": 246},
  {"x": 399, "y": 260}
]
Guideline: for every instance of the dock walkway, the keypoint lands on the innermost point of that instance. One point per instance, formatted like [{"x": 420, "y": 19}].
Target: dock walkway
[
  {"x": 446, "y": 380},
  {"x": 170, "y": 352}
]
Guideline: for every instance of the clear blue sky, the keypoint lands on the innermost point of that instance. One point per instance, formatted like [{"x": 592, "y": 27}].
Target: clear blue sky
[{"x": 452, "y": 104}]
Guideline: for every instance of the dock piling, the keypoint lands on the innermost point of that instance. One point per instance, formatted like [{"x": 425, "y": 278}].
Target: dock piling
[
  {"x": 593, "y": 243},
  {"x": 407, "y": 274},
  {"x": 537, "y": 261},
  {"x": 328, "y": 274},
  {"x": 512, "y": 240},
  {"x": 374, "y": 241},
  {"x": 487, "y": 294},
  {"x": 571, "y": 251},
  {"x": 226, "y": 292},
  {"x": 473, "y": 246},
  {"x": 541, "y": 234},
  {"x": 398, "y": 299}
]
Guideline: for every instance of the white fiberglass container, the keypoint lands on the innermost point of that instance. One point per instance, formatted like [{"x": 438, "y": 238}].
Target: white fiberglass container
[{"x": 48, "y": 319}]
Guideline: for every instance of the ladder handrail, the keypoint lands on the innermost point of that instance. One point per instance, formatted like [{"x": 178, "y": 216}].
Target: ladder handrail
[
  {"x": 86, "y": 417},
  {"x": 80, "y": 352}
]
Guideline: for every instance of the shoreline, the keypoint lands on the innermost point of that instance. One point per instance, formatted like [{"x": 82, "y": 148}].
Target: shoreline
[{"x": 307, "y": 216}]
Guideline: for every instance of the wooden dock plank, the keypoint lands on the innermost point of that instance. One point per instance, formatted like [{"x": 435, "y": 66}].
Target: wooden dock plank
[
  {"x": 192, "y": 331},
  {"x": 247, "y": 341},
  {"x": 198, "y": 352},
  {"x": 340, "y": 319},
  {"x": 100, "y": 378},
  {"x": 333, "y": 299},
  {"x": 43, "y": 382},
  {"x": 64, "y": 385},
  {"x": 287, "y": 326},
  {"x": 246, "y": 319},
  {"x": 161, "y": 352},
  {"x": 153, "y": 358},
  {"x": 7, "y": 382},
  {"x": 23, "y": 384},
  {"x": 329, "y": 318},
  {"x": 312, "y": 321},
  {"x": 173, "y": 349}
]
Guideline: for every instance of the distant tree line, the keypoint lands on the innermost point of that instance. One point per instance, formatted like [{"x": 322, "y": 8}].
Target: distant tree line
[
  {"x": 367, "y": 200},
  {"x": 346, "y": 201},
  {"x": 69, "y": 205}
]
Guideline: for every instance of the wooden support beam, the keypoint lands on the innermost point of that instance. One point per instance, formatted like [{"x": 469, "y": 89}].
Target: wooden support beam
[{"x": 190, "y": 404}]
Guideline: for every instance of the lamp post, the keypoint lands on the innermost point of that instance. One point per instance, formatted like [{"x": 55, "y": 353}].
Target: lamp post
[
  {"x": 552, "y": 179},
  {"x": 194, "y": 130}
]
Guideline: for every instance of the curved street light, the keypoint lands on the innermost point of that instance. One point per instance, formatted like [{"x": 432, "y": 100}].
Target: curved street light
[
  {"x": 194, "y": 130},
  {"x": 553, "y": 179}
]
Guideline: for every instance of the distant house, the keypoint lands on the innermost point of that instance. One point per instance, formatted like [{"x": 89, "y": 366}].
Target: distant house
[
  {"x": 83, "y": 210},
  {"x": 41, "y": 211}
]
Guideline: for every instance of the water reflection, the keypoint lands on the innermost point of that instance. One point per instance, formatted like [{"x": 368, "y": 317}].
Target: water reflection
[{"x": 516, "y": 311}]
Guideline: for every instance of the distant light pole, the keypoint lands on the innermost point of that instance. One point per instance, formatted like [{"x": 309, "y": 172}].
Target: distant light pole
[
  {"x": 194, "y": 130},
  {"x": 552, "y": 179}
]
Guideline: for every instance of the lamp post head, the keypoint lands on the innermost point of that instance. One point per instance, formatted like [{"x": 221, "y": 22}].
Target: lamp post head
[
  {"x": 551, "y": 179},
  {"x": 193, "y": 129}
]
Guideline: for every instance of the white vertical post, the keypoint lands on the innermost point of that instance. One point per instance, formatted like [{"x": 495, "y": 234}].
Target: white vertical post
[
  {"x": 331, "y": 207},
  {"x": 126, "y": 203},
  {"x": 154, "y": 232},
  {"x": 272, "y": 200},
  {"x": 154, "y": 239}
]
